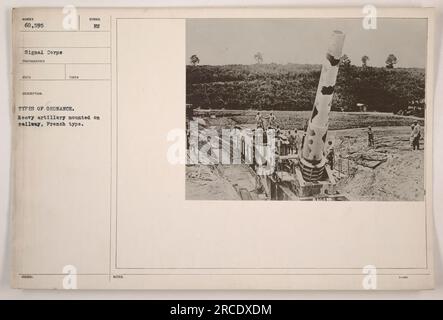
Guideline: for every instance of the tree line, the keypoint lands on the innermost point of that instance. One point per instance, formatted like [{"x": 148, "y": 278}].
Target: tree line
[{"x": 293, "y": 86}]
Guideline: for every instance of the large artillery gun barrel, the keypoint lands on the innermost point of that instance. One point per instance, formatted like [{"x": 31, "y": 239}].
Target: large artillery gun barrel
[{"x": 312, "y": 160}]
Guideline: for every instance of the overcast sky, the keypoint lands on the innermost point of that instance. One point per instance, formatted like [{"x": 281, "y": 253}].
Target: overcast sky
[{"x": 235, "y": 41}]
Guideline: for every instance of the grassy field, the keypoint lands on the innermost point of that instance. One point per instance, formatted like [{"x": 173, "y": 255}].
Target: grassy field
[{"x": 296, "y": 119}]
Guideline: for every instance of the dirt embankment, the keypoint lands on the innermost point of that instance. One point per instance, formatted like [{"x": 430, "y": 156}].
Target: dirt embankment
[
  {"x": 400, "y": 176},
  {"x": 390, "y": 170},
  {"x": 204, "y": 182}
]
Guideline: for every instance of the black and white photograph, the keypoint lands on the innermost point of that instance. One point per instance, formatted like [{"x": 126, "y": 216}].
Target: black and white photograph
[{"x": 319, "y": 109}]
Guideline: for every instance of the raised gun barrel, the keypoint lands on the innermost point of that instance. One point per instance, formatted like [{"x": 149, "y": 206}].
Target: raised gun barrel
[{"x": 312, "y": 160}]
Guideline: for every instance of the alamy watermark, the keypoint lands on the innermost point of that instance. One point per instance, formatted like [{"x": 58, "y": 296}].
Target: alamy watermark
[
  {"x": 370, "y": 279},
  {"x": 208, "y": 146},
  {"x": 70, "y": 278},
  {"x": 370, "y": 17}
]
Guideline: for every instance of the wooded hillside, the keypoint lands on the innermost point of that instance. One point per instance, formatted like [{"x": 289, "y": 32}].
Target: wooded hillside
[{"x": 293, "y": 87}]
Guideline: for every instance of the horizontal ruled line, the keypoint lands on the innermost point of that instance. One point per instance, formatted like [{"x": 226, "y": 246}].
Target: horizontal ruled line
[
  {"x": 64, "y": 79},
  {"x": 58, "y": 47},
  {"x": 37, "y": 31},
  {"x": 226, "y": 274},
  {"x": 30, "y": 62}
]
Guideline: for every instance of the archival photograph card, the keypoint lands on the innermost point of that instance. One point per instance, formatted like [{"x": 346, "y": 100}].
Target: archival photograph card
[{"x": 222, "y": 148}]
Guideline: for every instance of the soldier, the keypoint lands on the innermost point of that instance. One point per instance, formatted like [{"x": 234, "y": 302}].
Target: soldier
[
  {"x": 285, "y": 145},
  {"x": 259, "y": 120},
  {"x": 370, "y": 137},
  {"x": 416, "y": 136},
  {"x": 330, "y": 154},
  {"x": 278, "y": 138},
  {"x": 293, "y": 142},
  {"x": 272, "y": 120},
  {"x": 411, "y": 137}
]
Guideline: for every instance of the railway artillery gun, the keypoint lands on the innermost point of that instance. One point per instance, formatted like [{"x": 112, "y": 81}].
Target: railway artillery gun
[{"x": 306, "y": 175}]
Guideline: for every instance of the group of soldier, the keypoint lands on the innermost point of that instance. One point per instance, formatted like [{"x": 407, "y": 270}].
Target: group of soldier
[
  {"x": 291, "y": 141},
  {"x": 269, "y": 122}
]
